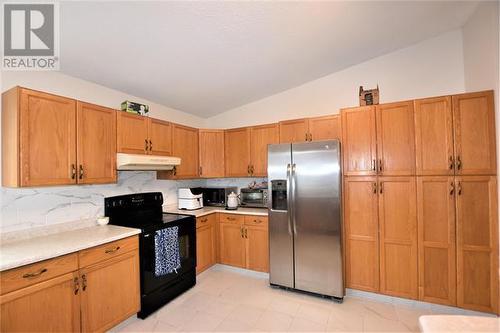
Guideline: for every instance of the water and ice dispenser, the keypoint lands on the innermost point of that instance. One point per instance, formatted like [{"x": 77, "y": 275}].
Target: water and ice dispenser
[{"x": 279, "y": 197}]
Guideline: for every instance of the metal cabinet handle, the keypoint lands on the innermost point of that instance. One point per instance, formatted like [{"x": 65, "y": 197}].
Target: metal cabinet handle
[
  {"x": 113, "y": 250},
  {"x": 307, "y": 137},
  {"x": 73, "y": 171},
  {"x": 380, "y": 165},
  {"x": 294, "y": 184},
  {"x": 32, "y": 275},
  {"x": 452, "y": 188},
  {"x": 459, "y": 163},
  {"x": 374, "y": 165},
  {"x": 80, "y": 172},
  {"x": 451, "y": 161},
  {"x": 381, "y": 188},
  {"x": 241, "y": 231},
  {"x": 459, "y": 188},
  {"x": 201, "y": 170},
  {"x": 288, "y": 197},
  {"x": 174, "y": 170},
  {"x": 252, "y": 169},
  {"x": 150, "y": 145},
  {"x": 77, "y": 285},
  {"x": 246, "y": 233},
  {"x": 374, "y": 187},
  {"x": 84, "y": 282},
  {"x": 146, "y": 145},
  {"x": 248, "y": 169}
]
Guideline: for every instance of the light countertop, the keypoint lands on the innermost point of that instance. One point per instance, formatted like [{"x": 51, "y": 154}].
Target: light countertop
[
  {"x": 27, "y": 251},
  {"x": 209, "y": 210}
]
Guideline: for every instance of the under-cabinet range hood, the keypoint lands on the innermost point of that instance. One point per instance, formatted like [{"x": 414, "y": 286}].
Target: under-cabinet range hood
[{"x": 145, "y": 162}]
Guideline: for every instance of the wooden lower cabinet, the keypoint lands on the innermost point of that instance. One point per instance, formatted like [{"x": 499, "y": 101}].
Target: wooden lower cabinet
[
  {"x": 398, "y": 236},
  {"x": 477, "y": 243},
  {"x": 110, "y": 292},
  {"x": 361, "y": 233},
  {"x": 257, "y": 248},
  {"x": 232, "y": 247},
  {"x": 205, "y": 242},
  {"x": 49, "y": 306},
  {"x": 53, "y": 299},
  {"x": 436, "y": 239}
]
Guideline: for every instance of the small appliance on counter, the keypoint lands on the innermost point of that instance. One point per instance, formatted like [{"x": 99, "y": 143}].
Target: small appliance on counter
[
  {"x": 254, "y": 197},
  {"x": 232, "y": 201},
  {"x": 217, "y": 196},
  {"x": 190, "y": 198}
]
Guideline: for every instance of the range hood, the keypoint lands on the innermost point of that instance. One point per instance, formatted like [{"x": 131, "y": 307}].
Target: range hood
[{"x": 145, "y": 162}]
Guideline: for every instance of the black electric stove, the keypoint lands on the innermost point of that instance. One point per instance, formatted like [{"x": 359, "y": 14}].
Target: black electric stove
[{"x": 144, "y": 211}]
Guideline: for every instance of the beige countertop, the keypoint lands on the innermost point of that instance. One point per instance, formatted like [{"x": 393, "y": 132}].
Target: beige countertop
[
  {"x": 209, "y": 210},
  {"x": 22, "y": 252}
]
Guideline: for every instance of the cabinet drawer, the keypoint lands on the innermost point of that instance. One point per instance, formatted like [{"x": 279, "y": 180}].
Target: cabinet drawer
[
  {"x": 28, "y": 275},
  {"x": 256, "y": 220},
  {"x": 231, "y": 218},
  {"x": 205, "y": 220},
  {"x": 107, "y": 251}
]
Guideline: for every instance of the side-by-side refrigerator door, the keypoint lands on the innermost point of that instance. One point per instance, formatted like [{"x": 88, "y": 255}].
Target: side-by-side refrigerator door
[
  {"x": 280, "y": 230},
  {"x": 316, "y": 217}
]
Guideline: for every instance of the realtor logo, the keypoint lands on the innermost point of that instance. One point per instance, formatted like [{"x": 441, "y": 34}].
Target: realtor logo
[{"x": 31, "y": 36}]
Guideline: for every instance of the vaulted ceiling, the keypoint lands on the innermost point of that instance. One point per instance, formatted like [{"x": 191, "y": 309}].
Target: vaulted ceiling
[{"x": 207, "y": 57}]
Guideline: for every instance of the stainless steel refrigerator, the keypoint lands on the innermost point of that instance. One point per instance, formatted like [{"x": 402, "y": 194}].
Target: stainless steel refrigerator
[{"x": 305, "y": 217}]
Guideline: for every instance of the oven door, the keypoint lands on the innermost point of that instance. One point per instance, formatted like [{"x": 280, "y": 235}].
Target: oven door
[{"x": 187, "y": 250}]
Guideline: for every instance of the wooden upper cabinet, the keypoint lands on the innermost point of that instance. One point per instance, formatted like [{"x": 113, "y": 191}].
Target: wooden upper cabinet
[
  {"x": 361, "y": 233},
  {"x": 237, "y": 152},
  {"x": 396, "y": 139},
  {"x": 477, "y": 243},
  {"x": 132, "y": 133},
  {"x": 474, "y": 134},
  {"x": 434, "y": 136},
  {"x": 96, "y": 144},
  {"x": 211, "y": 152},
  {"x": 436, "y": 239},
  {"x": 260, "y": 138},
  {"x": 325, "y": 128},
  {"x": 160, "y": 137},
  {"x": 398, "y": 236},
  {"x": 110, "y": 292},
  {"x": 294, "y": 130},
  {"x": 185, "y": 146},
  {"x": 359, "y": 141},
  {"x": 49, "y": 306},
  {"x": 47, "y": 139}
]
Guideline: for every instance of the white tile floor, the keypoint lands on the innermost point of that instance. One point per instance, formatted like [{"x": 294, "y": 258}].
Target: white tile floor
[{"x": 227, "y": 300}]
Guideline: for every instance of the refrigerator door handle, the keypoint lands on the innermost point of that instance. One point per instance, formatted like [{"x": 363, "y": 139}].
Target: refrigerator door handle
[
  {"x": 294, "y": 223},
  {"x": 288, "y": 198}
]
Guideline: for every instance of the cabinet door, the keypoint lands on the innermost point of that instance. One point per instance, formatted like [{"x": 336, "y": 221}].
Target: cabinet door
[
  {"x": 398, "y": 236},
  {"x": 260, "y": 138},
  {"x": 477, "y": 243},
  {"x": 295, "y": 130},
  {"x": 185, "y": 146},
  {"x": 232, "y": 244},
  {"x": 47, "y": 139},
  {"x": 361, "y": 233},
  {"x": 325, "y": 128},
  {"x": 96, "y": 144},
  {"x": 434, "y": 136},
  {"x": 359, "y": 139},
  {"x": 474, "y": 134},
  {"x": 160, "y": 137},
  {"x": 237, "y": 152},
  {"x": 436, "y": 239},
  {"x": 110, "y": 292},
  {"x": 131, "y": 133},
  {"x": 211, "y": 153},
  {"x": 205, "y": 243},
  {"x": 396, "y": 139},
  {"x": 257, "y": 248},
  {"x": 49, "y": 306}
]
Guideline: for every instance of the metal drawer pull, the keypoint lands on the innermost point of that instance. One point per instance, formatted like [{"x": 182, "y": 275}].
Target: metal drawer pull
[
  {"x": 231, "y": 219},
  {"x": 112, "y": 250},
  {"x": 77, "y": 285},
  {"x": 204, "y": 220},
  {"x": 32, "y": 275},
  {"x": 257, "y": 221}
]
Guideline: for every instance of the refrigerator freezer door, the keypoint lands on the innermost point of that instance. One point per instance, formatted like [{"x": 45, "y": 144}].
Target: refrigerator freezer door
[
  {"x": 280, "y": 232},
  {"x": 316, "y": 218}
]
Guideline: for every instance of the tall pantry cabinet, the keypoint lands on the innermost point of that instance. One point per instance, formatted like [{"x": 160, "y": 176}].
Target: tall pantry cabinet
[{"x": 429, "y": 203}]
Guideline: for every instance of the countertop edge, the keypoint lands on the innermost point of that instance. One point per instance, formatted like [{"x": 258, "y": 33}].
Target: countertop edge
[
  {"x": 213, "y": 210},
  {"x": 55, "y": 254}
]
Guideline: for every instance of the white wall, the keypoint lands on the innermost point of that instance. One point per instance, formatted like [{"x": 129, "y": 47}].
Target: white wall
[
  {"x": 64, "y": 85},
  {"x": 432, "y": 67}
]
